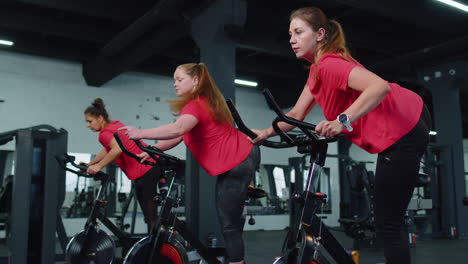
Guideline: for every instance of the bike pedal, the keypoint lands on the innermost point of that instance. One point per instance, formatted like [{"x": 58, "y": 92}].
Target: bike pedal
[{"x": 354, "y": 254}]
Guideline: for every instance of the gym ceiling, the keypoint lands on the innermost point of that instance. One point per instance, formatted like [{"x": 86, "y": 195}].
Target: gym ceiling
[{"x": 393, "y": 38}]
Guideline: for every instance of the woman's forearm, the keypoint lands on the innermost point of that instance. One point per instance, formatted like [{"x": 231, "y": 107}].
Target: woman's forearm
[
  {"x": 98, "y": 157},
  {"x": 109, "y": 157},
  {"x": 164, "y": 132},
  {"x": 164, "y": 145}
]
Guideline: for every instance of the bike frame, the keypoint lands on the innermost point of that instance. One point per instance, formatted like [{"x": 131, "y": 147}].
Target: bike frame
[
  {"x": 315, "y": 232},
  {"x": 167, "y": 221},
  {"x": 96, "y": 212}
]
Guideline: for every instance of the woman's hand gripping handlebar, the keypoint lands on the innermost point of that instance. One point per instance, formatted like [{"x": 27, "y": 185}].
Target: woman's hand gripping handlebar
[
  {"x": 309, "y": 137},
  {"x": 80, "y": 169},
  {"x": 161, "y": 158}
]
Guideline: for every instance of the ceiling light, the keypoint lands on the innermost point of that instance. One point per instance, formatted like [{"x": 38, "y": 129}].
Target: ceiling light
[
  {"x": 247, "y": 83},
  {"x": 6, "y": 42},
  {"x": 455, "y": 4},
  {"x": 244, "y": 82},
  {"x": 432, "y": 133}
]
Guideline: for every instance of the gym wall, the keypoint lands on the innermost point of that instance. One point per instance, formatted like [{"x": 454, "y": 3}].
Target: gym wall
[{"x": 40, "y": 90}]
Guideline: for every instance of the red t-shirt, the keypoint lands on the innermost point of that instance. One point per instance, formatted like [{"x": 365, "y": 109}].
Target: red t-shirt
[
  {"x": 217, "y": 147},
  {"x": 132, "y": 168},
  {"x": 393, "y": 118}
]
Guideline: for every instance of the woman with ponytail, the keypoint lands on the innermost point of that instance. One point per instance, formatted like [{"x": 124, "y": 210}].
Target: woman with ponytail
[
  {"x": 205, "y": 125},
  {"x": 145, "y": 177},
  {"x": 378, "y": 116}
]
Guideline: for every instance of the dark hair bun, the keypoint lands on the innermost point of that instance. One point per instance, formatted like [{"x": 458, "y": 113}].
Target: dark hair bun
[{"x": 98, "y": 103}]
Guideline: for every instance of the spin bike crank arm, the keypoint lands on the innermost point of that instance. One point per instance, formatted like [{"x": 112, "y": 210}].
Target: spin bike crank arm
[
  {"x": 203, "y": 251},
  {"x": 329, "y": 242}
]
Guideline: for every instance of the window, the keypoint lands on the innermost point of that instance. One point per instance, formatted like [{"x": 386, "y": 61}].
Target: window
[
  {"x": 281, "y": 190},
  {"x": 124, "y": 185}
]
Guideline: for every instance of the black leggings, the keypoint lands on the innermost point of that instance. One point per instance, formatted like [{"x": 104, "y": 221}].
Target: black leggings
[
  {"x": 231, "y": 193},
  {"x": 396, "y": 175},
  {"x": 145, "y": 190}
]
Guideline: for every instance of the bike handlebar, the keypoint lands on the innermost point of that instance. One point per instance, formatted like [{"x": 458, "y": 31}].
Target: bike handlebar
[
  {"x": 131, "y": 154},
  {"x": 244, "y": 129},
  {"x": 307, "y": 128},
  {"x": 287, "y": 140},
  {"x": 65, "y": 158},
  {"x": 156, "y": 154}
]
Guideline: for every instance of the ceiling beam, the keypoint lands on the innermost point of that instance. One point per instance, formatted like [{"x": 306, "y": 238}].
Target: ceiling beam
[
  {"x": 144, "y": 24},
  {"x": 142, "y": 39},
  {"x": 136, "y": 43},
  {"x": 16, "y": 19},
  {"x": 422, "y": 56},
  {"x": 103, "y": 68},
  {"x": 120, "y": 10}
]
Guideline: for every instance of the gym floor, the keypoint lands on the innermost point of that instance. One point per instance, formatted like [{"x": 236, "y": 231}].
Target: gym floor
[{"x": 261, "y": 247}]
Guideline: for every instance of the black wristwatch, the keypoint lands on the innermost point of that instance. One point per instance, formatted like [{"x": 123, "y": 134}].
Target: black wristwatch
[{"x": 344, "y": 120}]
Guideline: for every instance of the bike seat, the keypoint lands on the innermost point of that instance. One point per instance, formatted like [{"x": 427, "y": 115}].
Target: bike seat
[{"x": 255, "y": 193}]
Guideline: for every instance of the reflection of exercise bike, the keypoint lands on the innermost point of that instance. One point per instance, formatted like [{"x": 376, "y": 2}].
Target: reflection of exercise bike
[
  {"x": 304, "y": 241},
  {"x": 357, "y": 203},
  {"x": 169, "y": 235},
  {"x": 93, "y": 245},
  {"x": 82, "y": 202}
]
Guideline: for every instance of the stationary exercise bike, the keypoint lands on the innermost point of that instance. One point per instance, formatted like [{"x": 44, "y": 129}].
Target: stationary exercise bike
[
  {"x": 170, "y": 236},
  {"x": 305, "y": 239},
  {"x": 93, "y": 245}
]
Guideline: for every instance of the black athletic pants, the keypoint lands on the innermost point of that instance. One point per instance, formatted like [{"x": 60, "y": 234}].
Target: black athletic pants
[
  {"x": 396, "y": 175},
  {"x": 231, "y": 193},
  {"x": 145, "y": 191}
]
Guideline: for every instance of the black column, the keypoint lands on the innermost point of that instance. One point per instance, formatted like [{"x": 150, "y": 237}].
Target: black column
[
  {"x": 218, "y": 52},
  {"x": 445, "y": 82},
  {"x": 296, "y": 164},
  {"x": 20, "y": 200}
]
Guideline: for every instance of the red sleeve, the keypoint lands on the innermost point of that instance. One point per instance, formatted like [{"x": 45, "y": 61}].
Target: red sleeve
[
  {"x": 193, "y": 108},
  {"x": 335, "y": 70},
  {"x": 105, "y": 137}
]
